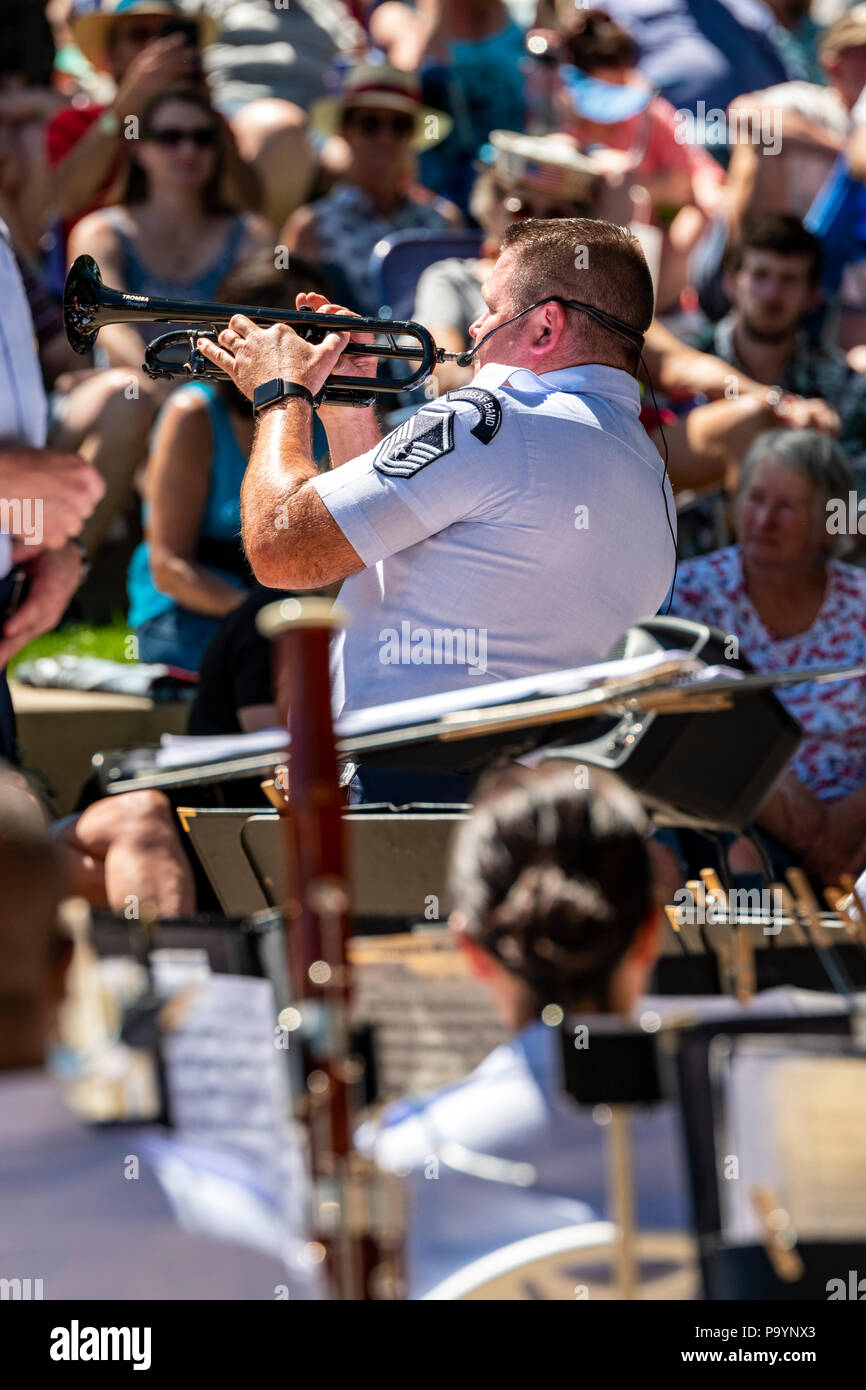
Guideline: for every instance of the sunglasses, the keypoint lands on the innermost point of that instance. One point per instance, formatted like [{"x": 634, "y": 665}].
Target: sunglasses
[
  {"x": 146, "y": 33},
  {"x": 204, "y": 138},
  {"x": 399, "y": 123}
]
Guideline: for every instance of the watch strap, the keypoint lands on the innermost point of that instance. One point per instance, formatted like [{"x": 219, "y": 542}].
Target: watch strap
[{"x": 287, "y": 389}]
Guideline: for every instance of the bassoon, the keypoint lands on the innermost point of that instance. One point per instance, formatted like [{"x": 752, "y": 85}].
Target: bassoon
[{"x": 356, "y": 1220}]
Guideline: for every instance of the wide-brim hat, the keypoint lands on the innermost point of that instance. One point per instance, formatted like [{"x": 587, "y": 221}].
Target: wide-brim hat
[
  {"x": 604, "y": 102},
  {"x": 92, "y": 21},
  {"x": 548, "y": 164},
  {"x": 377, "y": 86},
  {"x": 849, "y": 31}
]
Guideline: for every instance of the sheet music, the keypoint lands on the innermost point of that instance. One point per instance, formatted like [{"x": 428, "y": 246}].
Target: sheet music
[
  {"x": 226, "y": 1079},
  {"x": 180, "y": 750},
  {"x": 434, "y": 1021},
  {"x": 796, "y": 1124},
  {"x": 571, "y": 682}
]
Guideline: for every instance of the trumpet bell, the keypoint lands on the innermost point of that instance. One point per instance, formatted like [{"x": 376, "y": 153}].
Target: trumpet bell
[{"x": 82, "y": 299}]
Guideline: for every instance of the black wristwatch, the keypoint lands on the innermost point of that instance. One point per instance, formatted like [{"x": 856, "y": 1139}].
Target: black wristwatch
[{"x": 270, "y": 392}]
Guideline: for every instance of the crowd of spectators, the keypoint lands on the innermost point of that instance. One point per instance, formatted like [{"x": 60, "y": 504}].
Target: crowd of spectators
[{"x": 249, "y": 153}]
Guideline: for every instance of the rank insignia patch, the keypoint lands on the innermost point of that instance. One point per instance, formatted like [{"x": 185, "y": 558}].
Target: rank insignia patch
[{"x": 415, "y": 443}]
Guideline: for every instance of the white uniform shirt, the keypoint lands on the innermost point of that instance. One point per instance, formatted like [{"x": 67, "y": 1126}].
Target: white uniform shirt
[
  {"x": 489, "y": 559},
  {"x": 22, "y": 395},
  {"x": 511, "y": 1108}
]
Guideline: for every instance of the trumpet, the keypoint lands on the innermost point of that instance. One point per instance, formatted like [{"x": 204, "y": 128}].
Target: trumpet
[{"x": 89, "y": 305}]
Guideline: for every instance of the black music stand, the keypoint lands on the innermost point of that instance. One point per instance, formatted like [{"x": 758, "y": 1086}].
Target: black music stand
[
  {"x": 625, "y": 1066},
  {"x": 747, "y": 1271},
  {"x": 398, "y": 863}
]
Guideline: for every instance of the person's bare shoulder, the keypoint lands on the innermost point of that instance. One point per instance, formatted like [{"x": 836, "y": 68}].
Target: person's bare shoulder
[
  {"x": 185, "y": 427},
  {"x": 96, "y": 234}
]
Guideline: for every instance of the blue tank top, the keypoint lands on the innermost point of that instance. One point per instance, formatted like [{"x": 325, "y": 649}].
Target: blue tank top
[
  {"x": 222, "y": 516},
  {"x": 140, "y": 280}
]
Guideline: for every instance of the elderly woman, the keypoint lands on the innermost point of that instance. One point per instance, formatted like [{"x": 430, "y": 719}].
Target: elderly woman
[{"x": 792, "y": 604}]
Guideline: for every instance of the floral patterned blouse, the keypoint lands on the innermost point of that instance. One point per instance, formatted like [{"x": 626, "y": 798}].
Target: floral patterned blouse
[{"x": 831, "y": 760}]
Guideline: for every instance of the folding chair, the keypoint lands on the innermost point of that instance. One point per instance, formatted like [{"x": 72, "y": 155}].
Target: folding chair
[{"x": 397, "y": 262}]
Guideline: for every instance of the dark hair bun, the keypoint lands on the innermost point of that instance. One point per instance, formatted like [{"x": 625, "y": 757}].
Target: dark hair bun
[{"x": 554, "y": 880}]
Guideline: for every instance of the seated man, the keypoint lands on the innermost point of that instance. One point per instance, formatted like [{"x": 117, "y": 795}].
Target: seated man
[
  {"x": 540, "y": 176},
  {"x": 536, "y": 481},
  {"x": 772, "y": 278}
]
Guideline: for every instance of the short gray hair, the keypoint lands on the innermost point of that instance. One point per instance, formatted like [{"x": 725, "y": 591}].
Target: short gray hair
[{"x": 819, "y": 457}]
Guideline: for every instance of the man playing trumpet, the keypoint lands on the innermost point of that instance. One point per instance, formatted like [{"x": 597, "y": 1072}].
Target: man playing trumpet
[{"x": 526, "y": 519}]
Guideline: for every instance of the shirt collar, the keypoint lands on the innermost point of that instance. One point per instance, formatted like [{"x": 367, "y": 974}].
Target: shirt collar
[{"x": 590, "y": 379}]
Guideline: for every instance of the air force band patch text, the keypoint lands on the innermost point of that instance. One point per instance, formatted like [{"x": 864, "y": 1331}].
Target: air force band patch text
[{"x": 488, "y": 407}]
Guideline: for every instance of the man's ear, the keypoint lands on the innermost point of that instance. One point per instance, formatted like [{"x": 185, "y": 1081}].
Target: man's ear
[{"x": 550, "y": 327}]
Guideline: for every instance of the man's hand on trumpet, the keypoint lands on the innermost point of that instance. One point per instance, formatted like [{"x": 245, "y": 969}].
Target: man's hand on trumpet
[{"x": 251, "y": 355}]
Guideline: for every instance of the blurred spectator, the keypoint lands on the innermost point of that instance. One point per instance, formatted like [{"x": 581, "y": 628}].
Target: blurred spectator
[
  {"x": 382, "y": 118},
  {"x": 27, "y": 101},
  {"x": 792, "y": 605},
  {"x": 236, "y": 687},
  {"x": 843, "y": 54},
  {"x": 129, "y": 844},
  {"x": 269, "y": 63},
  {"x": 773, "y": 281},
  {"x": 796, "y": 37},
  {"x": 530, "y": 176},
  {"x": 612, "y": 113},
  {"x": 808, "y": 123},
  {"x": 266, "y": 51},
  {"x": 803, "y": 126},
  {"x": 172, "y": 235},
  {"x": 105, "y": 416},
  {"x": 47, "y": 494},
  {"x": 147, "y": 46},
  {"x": 703, "y": 50},
  {"x": 69, "y": 1213},
  {"x": 190, "y": 571},
  {"x": 470, "y": 58}
]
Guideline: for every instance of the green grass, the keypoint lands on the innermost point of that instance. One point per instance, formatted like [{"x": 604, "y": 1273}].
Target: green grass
[{"x": 79, "y": 639}]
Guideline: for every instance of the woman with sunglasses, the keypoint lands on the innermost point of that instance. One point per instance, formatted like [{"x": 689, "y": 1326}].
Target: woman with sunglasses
[
  {"x": 383, "y": 123},
  {"x": 171, "y": 234}
]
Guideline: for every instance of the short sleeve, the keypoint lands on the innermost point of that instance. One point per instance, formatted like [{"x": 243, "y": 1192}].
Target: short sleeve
[{"x": 422, "y": 478}]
